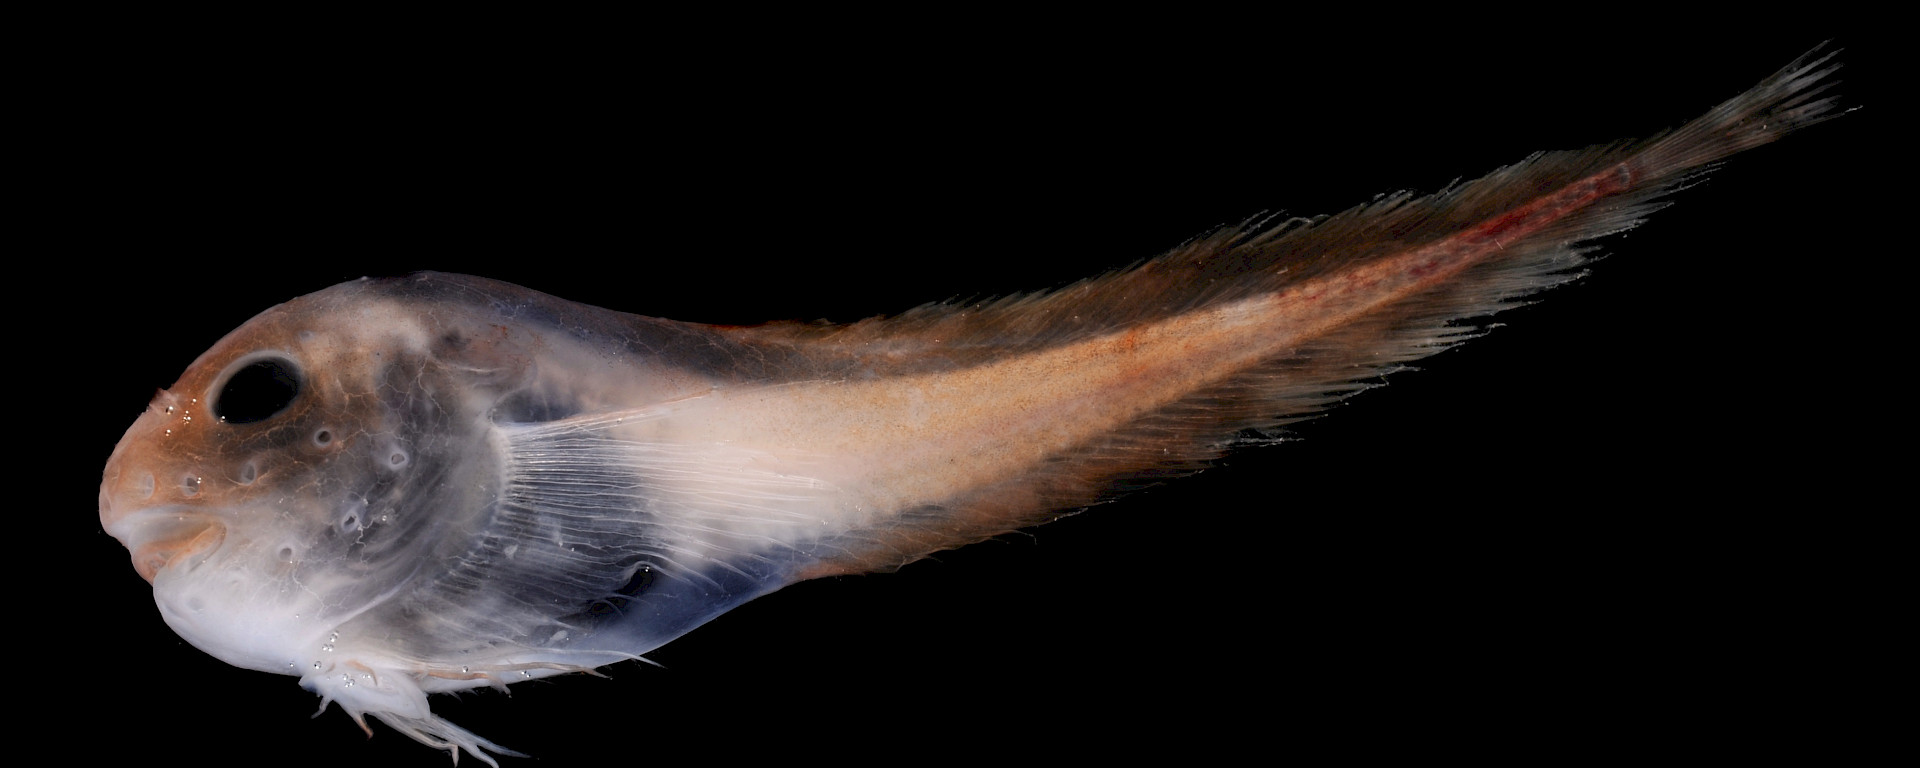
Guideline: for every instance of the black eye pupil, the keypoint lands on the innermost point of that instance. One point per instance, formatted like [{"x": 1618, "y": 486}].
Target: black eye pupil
[{"x": 257, "y": 392}]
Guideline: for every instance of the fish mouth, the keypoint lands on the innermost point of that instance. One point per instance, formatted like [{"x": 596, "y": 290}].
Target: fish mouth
[{"x": 158, "y": 537}]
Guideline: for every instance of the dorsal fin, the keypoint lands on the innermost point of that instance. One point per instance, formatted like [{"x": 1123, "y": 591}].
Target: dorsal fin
[{"x": 1450, "y": 257}]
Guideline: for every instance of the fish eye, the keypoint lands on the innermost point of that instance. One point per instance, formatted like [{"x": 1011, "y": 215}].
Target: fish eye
[{"x": 258, "y": 391}]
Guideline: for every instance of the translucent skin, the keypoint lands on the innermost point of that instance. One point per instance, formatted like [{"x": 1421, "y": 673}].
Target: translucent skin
[
  {"x": 293, "y": 545},
  {"x": 367, "y": 469}
]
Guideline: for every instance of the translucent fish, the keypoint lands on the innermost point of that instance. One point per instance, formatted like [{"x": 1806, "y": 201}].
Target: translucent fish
[{"x": 398, "y": 487}]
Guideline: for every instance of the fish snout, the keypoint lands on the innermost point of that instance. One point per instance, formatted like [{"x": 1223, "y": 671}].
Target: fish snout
[{"x": 149, "y": 520}]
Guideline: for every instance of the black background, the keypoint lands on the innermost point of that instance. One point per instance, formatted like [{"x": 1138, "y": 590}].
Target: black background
[{"x": 1595, "y": 529}]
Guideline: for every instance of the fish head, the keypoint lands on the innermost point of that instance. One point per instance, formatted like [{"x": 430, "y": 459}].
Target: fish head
[{"x": 302, "y": 470}]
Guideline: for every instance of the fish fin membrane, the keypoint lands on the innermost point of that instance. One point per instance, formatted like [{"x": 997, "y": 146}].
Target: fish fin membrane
[
  {"x": 604, "y": 548},
  {"x": 1264, "y": 255},
  {"x": 1630, "y": 179}
]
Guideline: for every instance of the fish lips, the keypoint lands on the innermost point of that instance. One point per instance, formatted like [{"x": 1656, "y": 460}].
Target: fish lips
[{"x": 159, "y": 537}]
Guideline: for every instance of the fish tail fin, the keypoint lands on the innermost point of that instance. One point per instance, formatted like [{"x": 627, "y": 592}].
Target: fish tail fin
[
  {"x": 1796, "y": 97},
  {"x": 1318, "y": 309}
]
